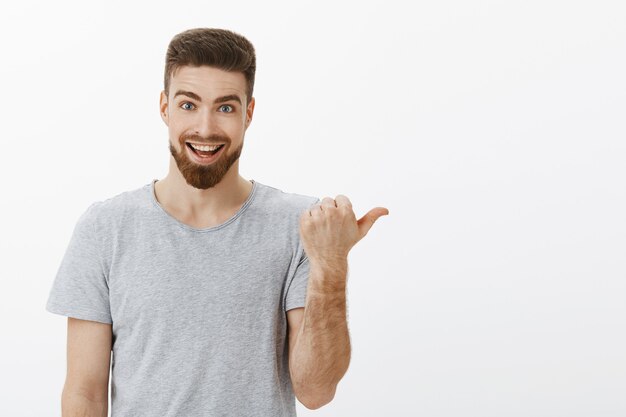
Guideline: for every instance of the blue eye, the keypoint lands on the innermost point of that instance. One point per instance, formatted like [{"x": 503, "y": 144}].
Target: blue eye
[
  {"x": 230, "y": 107},
  {"x": 186, "y": 102}
]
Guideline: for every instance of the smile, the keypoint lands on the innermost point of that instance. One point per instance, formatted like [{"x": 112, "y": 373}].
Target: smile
[{"x": 204, "y": 154}]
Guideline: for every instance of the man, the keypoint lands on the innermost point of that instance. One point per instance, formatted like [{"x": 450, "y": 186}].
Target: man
[{"x": 217, "y": 296}]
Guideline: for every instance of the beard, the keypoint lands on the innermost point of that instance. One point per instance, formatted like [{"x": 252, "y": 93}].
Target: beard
[{"x": 205, "y": 176}]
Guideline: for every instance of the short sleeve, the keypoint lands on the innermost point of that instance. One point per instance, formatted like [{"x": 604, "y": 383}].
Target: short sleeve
[
  {"x": 80, "y": 289},
  {"x": 296, "y": 290}
]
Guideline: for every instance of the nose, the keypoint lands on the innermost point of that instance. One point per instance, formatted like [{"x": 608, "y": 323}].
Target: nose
[{"x": 206, "y": 123}]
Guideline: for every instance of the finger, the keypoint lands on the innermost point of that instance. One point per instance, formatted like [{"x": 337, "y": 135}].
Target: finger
[
  {"x": 366, "y": 222},
  {"x": 305, "y": 214},
  {"x": 316, "y": 210},
  {"x": 312, "y": 208},
  {"x": 342, "y": 200},
  {"x": 327, "y": 202}
]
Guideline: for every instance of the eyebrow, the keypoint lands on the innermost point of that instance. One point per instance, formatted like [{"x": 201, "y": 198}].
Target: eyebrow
[{"x": 221, "y": 99}]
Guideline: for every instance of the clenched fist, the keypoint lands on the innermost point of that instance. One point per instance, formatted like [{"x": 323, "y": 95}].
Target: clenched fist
[{"x": 330, "y": 229}]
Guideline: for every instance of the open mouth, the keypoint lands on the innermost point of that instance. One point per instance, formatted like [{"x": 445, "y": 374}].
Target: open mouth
[{"x": 204, "y": 153}]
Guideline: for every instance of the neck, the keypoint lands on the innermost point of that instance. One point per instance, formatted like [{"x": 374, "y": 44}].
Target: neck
[{"x": 194, "y": 205}]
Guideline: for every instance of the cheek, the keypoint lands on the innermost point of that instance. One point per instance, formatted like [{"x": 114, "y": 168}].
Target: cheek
[
  {"x": 175, "y": 127},
  {"x": 236, "y": 126},
  {"x": 175, "y": 134}
]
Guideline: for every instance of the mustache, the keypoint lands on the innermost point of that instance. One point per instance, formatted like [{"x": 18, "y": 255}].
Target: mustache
[{"x": 210, "y": 138}]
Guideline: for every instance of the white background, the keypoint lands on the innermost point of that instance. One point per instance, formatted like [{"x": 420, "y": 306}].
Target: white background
[{"x": 494, "y": 132}]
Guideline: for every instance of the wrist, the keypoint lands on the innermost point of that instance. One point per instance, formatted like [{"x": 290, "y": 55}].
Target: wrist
[
  {"x": 331, "y": 266},
  {"x": 328, "y": 277}
]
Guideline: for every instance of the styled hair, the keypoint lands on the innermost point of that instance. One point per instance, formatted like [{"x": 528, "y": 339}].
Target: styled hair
[{"x": 219, "y": 48}]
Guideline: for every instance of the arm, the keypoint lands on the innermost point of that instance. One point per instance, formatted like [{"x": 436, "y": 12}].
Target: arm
[
  {"x": 319, "y": 341},
  {"x": 320, "y": 349},
  {"x": 86, "y": 390}
]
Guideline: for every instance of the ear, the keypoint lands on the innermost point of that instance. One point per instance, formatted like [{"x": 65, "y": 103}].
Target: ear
[
  {"x": 163, "y": 108},
  {"x": 249, "y": 112}
]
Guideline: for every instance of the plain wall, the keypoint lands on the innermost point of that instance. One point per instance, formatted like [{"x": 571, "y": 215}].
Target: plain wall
[{"x": 494, "y": 132}]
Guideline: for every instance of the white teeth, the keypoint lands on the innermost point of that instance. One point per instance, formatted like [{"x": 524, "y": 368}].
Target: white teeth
[{"x": 204, "y": 148}]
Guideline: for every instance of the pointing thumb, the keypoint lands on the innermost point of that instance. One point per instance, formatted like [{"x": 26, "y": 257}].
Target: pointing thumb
[{"x": 366, "y": 222}]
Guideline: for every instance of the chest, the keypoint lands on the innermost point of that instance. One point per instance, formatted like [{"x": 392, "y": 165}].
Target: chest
[{"x": 178, "y": 279}]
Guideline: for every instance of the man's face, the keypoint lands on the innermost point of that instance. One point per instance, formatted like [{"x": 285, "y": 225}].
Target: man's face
[{"x": 206, "y": 106}]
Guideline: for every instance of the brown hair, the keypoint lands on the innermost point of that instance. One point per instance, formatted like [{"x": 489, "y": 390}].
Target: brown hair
[{"x": 219, "y": 48}]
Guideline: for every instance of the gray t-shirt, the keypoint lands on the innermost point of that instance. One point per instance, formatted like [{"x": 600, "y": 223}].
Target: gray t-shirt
[{"x": 198, "y": 315}]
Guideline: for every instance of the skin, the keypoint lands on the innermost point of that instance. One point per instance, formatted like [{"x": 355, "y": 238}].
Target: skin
[
  {"x": 208, "y": 195},
  {"x": 204, "y": 195},
  {"x": 319, "y": 352}
]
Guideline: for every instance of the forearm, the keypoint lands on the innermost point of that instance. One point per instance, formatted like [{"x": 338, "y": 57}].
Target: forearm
[
  {"x": 321, "y": 354},
  {"x": 74, "y": 404}
]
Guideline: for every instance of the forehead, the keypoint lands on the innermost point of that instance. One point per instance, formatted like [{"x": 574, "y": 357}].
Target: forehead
[{"x": 208, "y": 81}]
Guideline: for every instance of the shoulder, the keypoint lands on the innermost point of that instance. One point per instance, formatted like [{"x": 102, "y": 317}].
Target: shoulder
[
  {"x": 285, "y": 200},
  {"x": 285, "y": 203},
  {"x": 105, "y": 214}
]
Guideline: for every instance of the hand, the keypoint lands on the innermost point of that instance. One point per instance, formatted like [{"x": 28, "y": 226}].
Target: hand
[{"x": 330, "y": 229}]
